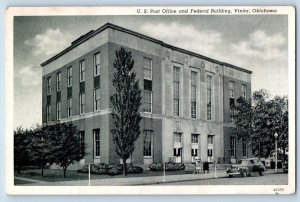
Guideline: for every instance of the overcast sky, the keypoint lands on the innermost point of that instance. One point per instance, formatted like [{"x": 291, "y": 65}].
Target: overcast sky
[{"x": 257, "y": 43}]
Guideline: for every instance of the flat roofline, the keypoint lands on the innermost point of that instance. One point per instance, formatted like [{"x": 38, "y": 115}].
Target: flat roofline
[{"x": 90, "y": 34}]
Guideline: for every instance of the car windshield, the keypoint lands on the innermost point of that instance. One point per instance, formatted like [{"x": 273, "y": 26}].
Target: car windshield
[{"x": 243, "y": 162}]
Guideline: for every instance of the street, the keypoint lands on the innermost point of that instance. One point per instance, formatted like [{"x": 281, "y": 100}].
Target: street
[{"x": 270, "y": 179}]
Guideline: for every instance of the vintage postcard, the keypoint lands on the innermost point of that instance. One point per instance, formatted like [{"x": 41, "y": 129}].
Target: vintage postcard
[{"x": 150, "y": 100}]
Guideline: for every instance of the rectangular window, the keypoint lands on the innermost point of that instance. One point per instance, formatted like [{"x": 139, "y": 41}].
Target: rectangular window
[
  {"x": 177, "y": 137},
  {"x": 58, "y": 110},
  {"x": 82, "y": 103},
  {"x": 97, "y": 64},
  {"x": 176, "y": 83},
  {"x": 210, "y": 152},
  {"x": 231, "y": 115},
  {"x": 97, "y": 99},
  {"x": 81, "y": 142},
  {"x": 209, "y": 96},
  {"x": 58, "y": 81},
  {"x": 148, "y": 135},
  {"x": 97, "y": 142},
  {"x": 244, "y": 91},
  {"x": 48, "y": 112},
  {"x": 48, "y": 85},
  {"x": 194, "y": 138},
  {"x": 210, "y": 139},
  {"x": 70, "y": 76},
  {"x": 231, "y": 101},
  {"x": 177, "y": 152},
  {"x": 82, "y": 70},
  {"x": 232, "y": 146},
  {"x": 245, "y": 148},
  {"x": 147, "y": 68},
  {"x": 194, "y": 152},
  {"x": 148, "y": 101},
  {"x": 70, "y": 106},
  {"x": 193, "y": 95},
  {"x": 147, "y": 85},
  {"x": 231, "y": 89}
]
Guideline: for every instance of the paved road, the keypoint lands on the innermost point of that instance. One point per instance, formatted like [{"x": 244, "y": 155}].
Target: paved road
[{"x": 270, "y": 179}]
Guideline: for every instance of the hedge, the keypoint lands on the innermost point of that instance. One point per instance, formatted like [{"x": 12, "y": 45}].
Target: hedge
[
  {"x": 110, "y": 169},
  {"x": 169, "y": 166}
]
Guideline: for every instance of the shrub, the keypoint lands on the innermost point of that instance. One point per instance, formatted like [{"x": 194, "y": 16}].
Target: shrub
[
  {"x": 134, "y": 169},
  {"x": 110, "y": 169},
  {"x": 169, "y": 166},
  {"x": 115, "y": 169}
]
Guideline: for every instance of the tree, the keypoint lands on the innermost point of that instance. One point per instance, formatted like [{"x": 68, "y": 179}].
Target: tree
[
  {"x": 126, "y": 102},
  {"x": 21, "y": 147},
  {"x": 258, "y": 119},
  {"x": 42, "y": 146},
  {"x": 278, "y": 120},
  {"x": 67, "y": 146}
]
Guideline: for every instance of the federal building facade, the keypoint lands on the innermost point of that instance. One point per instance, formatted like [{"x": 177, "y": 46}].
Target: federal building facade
[{"x": 187, "y": 104}]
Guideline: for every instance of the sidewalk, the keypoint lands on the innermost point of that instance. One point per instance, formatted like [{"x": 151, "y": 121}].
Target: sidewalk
[{"x": 135, "y": 181}]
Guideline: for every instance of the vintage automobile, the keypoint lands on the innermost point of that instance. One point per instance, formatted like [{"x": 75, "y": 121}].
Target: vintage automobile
[{"x": 246, "y": 167}]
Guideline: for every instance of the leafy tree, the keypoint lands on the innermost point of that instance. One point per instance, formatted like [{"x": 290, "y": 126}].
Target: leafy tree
[
  {"x": 21, "y": 147},
  {"x": 257, "y": 121},
  {"x": 126, "y": 102},
  {"x": 67, "y": 147},
  {"x": 278, "y": 121},
  {"x": 42, "y": 146}
]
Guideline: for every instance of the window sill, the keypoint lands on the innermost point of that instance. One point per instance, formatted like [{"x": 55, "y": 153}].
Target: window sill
[{"x": 147, "y": 157}]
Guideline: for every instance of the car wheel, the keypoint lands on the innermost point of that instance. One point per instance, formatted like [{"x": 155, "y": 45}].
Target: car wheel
[
  {"x": 245, "y": 174},
  {"x": 230, "y": 176},
  {"x": 261, "y": 173}
]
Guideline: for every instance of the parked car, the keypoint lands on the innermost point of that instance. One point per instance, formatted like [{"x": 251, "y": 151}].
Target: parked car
[{"x": 246, "y": 167}]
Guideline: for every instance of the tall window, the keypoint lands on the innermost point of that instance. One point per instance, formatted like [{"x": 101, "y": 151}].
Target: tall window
[
  {"x": 209, "y": 96},
  {"x": 58, "y": 110},
  {"x": 210, "y": 139},
  {"x": 244, "y": 148},
  {"x": 70, "y": 106},
  {"x": 69, "y": 76},
  {"x": 194, "y": 138},
  {"x": 231, "y": 101},
  {"x": 97, "y": 64},
  {"x": 49, "y": 85},
  {"x": 232, "y": 146},
  {"x": 147, "y": 68},
  {"x": 176, "y": 82},
  {"x": 58, "y": 81},
  {"x": 48, "y": 112},
  {"x": 147, "y": 101},
  {"x": 97, "y": 99},
  {"x": 81, "y": 142},
  {"x": 147, "y": 85},
  {"x": 209, "y": 152},
  {"x": 244, "y": 91},
  {"x": 82, "y": 70},
  {"x": 97, "y": 142},
  {"x": 231, "y": 89},
  {"x": 148, "y": 142},
  {"x": 82, "y": 103},
  {"x": 193, "y": 95},
  {"x": 194, "y": 152},
  {"x": 177, "y": 137}
]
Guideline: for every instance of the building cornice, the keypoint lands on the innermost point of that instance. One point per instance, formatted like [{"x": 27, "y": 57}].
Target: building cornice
[{"x": 92, "y": 33}]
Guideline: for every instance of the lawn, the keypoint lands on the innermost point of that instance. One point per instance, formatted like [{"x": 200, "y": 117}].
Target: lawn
[{"x": 55, "y": 175}]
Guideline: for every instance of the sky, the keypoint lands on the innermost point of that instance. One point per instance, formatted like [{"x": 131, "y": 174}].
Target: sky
[{"x": 256, "y": 42}]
